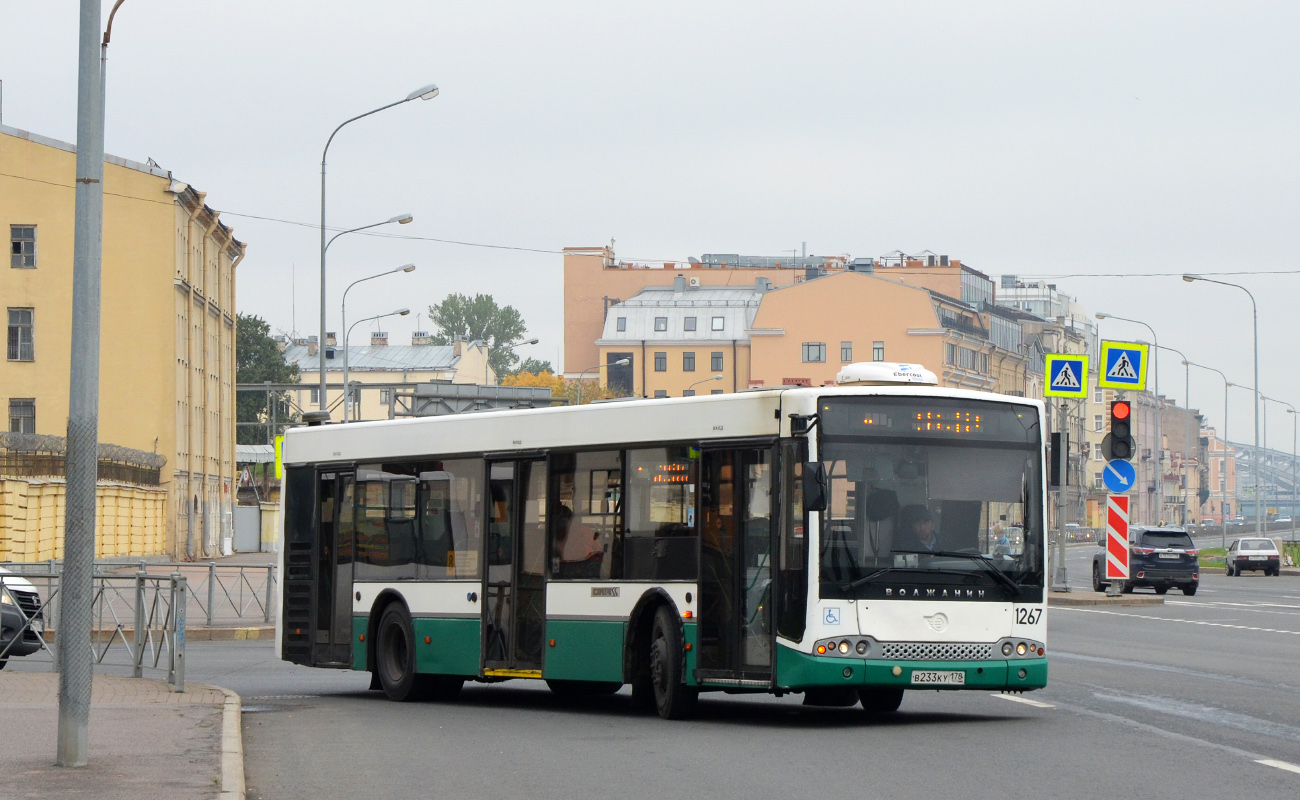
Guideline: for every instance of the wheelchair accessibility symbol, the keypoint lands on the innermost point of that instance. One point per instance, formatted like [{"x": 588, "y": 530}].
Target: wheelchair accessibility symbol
[{"x": 831, "y": 616}]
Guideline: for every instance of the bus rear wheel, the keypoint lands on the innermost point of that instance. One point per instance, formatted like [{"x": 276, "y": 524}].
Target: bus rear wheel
[
  {"x": 673, "y": 698},
  {"x": 880, "y": 701},
  {"x": 395, "y": 656}
]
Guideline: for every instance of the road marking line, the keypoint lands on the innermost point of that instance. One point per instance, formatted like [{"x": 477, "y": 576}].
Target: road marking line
[
  {"x": 1016, "y": 699},
  {"x": 1269, "y": 762},
  {"x": 1184, "y": 621}
]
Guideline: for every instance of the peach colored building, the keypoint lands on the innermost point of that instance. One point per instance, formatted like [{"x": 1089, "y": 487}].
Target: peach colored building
[
  {"x": 805, "y": 333},
  {"x": 594, "y": 280}
]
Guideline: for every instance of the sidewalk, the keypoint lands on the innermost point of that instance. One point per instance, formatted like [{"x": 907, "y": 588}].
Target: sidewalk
[{"x": 145, "y": 741}]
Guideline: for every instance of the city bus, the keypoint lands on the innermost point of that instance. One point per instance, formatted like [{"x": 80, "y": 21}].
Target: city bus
[{"x": 847, "y": 543}]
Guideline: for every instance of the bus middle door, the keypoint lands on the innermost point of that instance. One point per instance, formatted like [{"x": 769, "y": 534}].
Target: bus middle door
[{"x": 514, "y": 581}]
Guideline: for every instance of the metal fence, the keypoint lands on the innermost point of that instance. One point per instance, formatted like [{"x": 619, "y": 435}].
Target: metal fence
[
  {"x": 220, "y": 595},
  {"x": 138, "y": 621}
]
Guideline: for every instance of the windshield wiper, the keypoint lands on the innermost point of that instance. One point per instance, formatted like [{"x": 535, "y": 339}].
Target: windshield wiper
[{"x": 979, "y": 558}]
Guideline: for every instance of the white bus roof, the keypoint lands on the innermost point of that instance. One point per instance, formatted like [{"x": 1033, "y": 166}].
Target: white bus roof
[{"x": 757, "y": 413}]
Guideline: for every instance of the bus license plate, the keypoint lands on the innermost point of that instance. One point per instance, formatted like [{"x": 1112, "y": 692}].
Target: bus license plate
[{"x": 946, "y": 678}]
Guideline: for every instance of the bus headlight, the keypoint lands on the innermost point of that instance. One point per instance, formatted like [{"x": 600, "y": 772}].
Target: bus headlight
[
  {"x": 844, "y": 648},
  {"x": 1006, "y": 649},
  {"x": 1021, "y": 649}
]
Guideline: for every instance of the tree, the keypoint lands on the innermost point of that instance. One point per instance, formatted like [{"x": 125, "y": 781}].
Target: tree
[
  {"x": 560, "y": 387},
  {"x": 257, "y": 360},
  {"x": 479, "y": 318},
  {"x": 532, "y": 366}
]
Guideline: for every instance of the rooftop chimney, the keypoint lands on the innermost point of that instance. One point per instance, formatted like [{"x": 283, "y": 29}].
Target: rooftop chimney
[
  {"x": 421, "y": 337},
  {"x": 761, "y": 285},
  {"x": 679, "y": 284},
  {"x": 378, "y": 338},
  {"x": 330, "y": 340},
  {"x": 313, "y": 346}
]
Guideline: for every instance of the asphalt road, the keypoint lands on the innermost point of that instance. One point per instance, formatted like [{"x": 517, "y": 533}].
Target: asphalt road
[{"x": 1180, "y": 701}]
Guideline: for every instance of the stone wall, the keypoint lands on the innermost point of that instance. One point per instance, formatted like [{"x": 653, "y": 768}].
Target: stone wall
[{"x": 130, "y": 520}]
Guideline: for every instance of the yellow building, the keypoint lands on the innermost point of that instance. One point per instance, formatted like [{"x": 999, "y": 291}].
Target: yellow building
[
  {"x": 381, "y": 363},
  {"x": 167, "y": 330}
]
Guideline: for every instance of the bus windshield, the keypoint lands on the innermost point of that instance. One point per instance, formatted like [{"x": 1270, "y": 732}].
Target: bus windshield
[{"x": 931, "y": 494}]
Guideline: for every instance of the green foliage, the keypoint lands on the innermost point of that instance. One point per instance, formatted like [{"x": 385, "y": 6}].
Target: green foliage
[
  {"x": 480, "y": 318},
  {"x": 257, "y": 360},
  {"x": 532, "y": 366}
]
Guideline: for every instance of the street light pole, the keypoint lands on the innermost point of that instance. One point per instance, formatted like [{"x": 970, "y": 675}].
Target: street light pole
[
  {"x": 347, "y": 332},
  {"x": 620, "y": 363},
  {"x": 1187, "y": 427},
  {"x": 347, "y": 398},
  {"x": 706, "y": 380},
  {"x": 424, "y": 93},
  {"x": 1155, "y": 369},
  {"x": 1294, "y": 419},
  {"x": 1254, "y": 311},
  {"x": 508, "y": 346},
  {"x": 1223, "y": 515}
]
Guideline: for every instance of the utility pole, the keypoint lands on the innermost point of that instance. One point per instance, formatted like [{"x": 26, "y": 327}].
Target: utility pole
[{"x": 75, "y": 648}]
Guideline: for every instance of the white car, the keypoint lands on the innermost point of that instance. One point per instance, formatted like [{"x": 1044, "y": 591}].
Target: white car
[
  {"x": 1253, "y": 555},
  {"x": 19, "y": 603}
]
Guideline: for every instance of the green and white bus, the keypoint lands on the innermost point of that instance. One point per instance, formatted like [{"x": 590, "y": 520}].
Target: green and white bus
[{"x": 846, "y": 542}]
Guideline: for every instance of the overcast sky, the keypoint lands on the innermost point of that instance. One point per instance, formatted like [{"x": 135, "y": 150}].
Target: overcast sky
[{"x": 1042, "y": 139}]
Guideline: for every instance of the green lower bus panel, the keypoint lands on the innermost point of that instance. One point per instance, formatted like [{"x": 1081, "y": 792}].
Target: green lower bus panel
[
  {"x": 799, "y": 670},
  {"x": 453, "y": 647},
  {"x": 359, "y": 624},
  {"x": 689, "y": 639},
  {"x": 584, "y": 650}
]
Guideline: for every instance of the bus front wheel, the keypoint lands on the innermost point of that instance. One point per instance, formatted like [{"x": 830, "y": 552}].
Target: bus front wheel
[
  {"x": 395, "y": 655},
  {"x": 880, "y": 701},
  {"x": 673, "y": 698}
]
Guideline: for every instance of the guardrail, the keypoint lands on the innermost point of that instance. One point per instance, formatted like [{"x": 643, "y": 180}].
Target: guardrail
[
  {"x": 138, "y": 621},
  {"x": 219, "y": 595}
]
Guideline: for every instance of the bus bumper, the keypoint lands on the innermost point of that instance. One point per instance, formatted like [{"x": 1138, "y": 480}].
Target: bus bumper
[{"x": 796, "y": 670}]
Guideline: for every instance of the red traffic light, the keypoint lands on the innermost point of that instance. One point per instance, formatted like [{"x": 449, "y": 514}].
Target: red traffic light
[{"x": 1119, "y": 409}]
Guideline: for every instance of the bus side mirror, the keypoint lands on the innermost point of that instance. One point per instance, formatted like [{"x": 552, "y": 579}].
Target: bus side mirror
[{"x": 814, "y": 486}]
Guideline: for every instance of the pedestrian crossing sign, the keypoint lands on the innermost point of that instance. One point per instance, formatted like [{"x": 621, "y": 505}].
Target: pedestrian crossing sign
[
  {"x": 1067, "y": 376},
  {"x": 1124, "y": 366}
]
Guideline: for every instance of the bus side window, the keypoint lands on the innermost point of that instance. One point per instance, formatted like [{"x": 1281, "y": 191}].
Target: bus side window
[
  {"x": 586, "y": 515},
  {"x": 384, "y": 532},
  {"x": 660, "y": 542},
  {"x": 450, "y": 530}
]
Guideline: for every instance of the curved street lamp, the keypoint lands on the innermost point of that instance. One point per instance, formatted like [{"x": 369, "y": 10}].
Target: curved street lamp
[
  {"x": 1254, "y": 310},
  {"x": 717, "y": 377},
  {"x": 401, "y": 312},
  {"x": 509, "y": 346},
  {"x": 423, "y": 93},
  {"x": 347, "y": 399},
  {"x": 622, "y": 362}
]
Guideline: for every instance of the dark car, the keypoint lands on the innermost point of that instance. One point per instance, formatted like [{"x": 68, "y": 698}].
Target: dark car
[
  {"x": 1245, "y": 555},
  {"x": 1157, "y": 557},
  {"x": 19, "y": 603}
]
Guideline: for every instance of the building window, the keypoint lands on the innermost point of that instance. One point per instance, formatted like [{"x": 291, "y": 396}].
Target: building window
[
  {"x": 315, "y": 397},
  {"x": 22, "y": 246},
  {"x": 814, "y": 351},
  {"x": 688, "y": 362},
  {"x": 661, "y": 393},
  {"x": 984, "y": 363},
  {"x": 1096, "y": 395},
  {"x": 878, "y": 351},
  {"x": 385, "y": 395},
  {"x": 688, "y": 393},
  {"x": 1098, "y": 482},
  {"x": 688, "y": 324},
  {"x": 716, "y": 391},
  {"x": 661, "y": 362},
  {"x": 1097, "y": 422},
  {"x": 715, "y": 362},
  {"x": 621, "y": 324},
  {"x": 1096, "y": 452},
  {"x": 661, "y": 323},
  {"x": 846, "y": 352},
  {"x": 20, "y": 335},
  {"x": 718, "y": 323},
  {"x": 22, "y": 415}
]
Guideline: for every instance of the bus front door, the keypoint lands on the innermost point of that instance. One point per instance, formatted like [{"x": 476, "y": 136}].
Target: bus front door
[
  {"x": 736, "y": 510},
  {"x": 514, "y": 582}
]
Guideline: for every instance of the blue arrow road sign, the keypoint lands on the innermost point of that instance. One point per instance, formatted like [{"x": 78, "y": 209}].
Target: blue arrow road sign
[{"x": 1119, "y": 476}]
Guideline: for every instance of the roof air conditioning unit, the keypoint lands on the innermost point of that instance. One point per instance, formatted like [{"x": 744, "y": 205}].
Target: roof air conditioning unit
[{"x": 694, "y": 281}]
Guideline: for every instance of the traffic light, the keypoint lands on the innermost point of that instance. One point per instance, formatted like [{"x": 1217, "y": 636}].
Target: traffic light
[{"x": 1119, "y": 442}]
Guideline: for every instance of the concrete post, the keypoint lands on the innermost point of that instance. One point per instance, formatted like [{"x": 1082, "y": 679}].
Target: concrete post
[
  {"x": 270, "y": 592},
  {"x": 74, "y": 630},
  {"x": 180, "y": 598},
  {"x": 138, "y": 637},
  {"x": 212, "y": 589}
]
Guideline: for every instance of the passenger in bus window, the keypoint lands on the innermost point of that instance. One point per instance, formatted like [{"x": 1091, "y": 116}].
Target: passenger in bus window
[
  {"x": 579, "y": 547},
  {"x": 917, "y": 530}
]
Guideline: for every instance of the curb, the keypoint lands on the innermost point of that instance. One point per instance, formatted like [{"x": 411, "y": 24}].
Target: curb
[
  {"x": 1094, "y": 599},
  {"x": 232, "y": 748}
]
